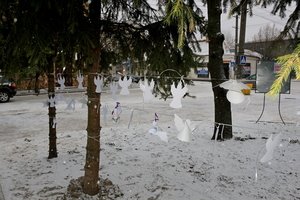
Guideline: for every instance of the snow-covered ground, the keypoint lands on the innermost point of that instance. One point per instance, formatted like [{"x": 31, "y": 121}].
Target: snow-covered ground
[{"x": 142, "y": 165}]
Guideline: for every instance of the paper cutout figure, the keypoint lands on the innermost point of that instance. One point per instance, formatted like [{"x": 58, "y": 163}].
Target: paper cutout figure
[
  {"x": 183, "y": 128},
  {"x": 54, "y": 123},
  {"x": 59, "y": 97},
  {"x": 80, "y": 80},
  {"x": 116, "y": 112},
  {"x": 155, "y": 130},
  {"x": 99, "y": 83},
  {"x": 51, "y": 102},
  {"x": 105, "y": 110},
  {"x": 147, "y": 90},
  {"x": 125, "y": 83},
  {"x": 271, "y": 144},
  {"x": 70, "y": 105},
  {"x": 83, "y": 102},
  {"x": 114, "y": 89},
  {"x": 154, "y": 127},
  {"x": 61, "y": 81},
  {"x": 177, "y": 93}
]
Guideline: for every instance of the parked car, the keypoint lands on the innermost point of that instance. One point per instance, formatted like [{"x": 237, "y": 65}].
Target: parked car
[
  {"x": 8, "y": 89},
  {"x": 250, "y": 80}
]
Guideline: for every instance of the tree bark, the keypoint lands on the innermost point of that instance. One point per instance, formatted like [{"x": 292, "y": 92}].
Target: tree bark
[
  {"x": 223, "y": 121},
  {"x": 51, "y": 112},
  {"x": 91, "y": 176}
]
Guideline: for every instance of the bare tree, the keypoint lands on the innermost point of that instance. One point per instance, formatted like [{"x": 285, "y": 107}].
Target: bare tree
[{"x": 266, "y": 33}]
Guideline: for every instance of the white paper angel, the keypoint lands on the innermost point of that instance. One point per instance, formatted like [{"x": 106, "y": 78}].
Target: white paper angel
[
  {"x": 83, "y": 101},
  {"x": 61, "y": 81},
  {"x": 154, "y": 130},
  {"x": 271, "y": 144},
  {"x": 113, "y": 86},
  {"x": 80, "y": 80},
  {"x": 99, "y": 83},
  {"x": 147, "y": 90},
  {"x": 70, "y": 105},
  {"x": 184, "y": 128},
  {"x": 51, "y": 102},
  {"x": 125, "y": 83},
  {"x": 177, "y": 93},
  {"x": 234, "y": 95},
  {"x": 116, "y": 112},
  {"x": 54, "y": 123},
  {"x": 105, "y": 110}
]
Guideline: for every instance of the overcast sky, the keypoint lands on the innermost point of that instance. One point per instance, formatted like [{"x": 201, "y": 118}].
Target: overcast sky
[{"x": 261, "y": 17}]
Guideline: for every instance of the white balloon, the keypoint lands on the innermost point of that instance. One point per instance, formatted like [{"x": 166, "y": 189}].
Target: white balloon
[{"x": 235, "y": 97}]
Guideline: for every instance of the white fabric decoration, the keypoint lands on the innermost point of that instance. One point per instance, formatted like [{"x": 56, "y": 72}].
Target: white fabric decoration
[
  {"x": 51, "y": 102},
  {"x": 155, "y": 130},
  {"x": 234, "y": 95},
  {"x": 116, "y": 112},
  {"x": 233, "y": 85},
  {"x": 99, "y": 83},
  {"x": 271, "y": 144},
  {"x": 80, "y": 80},
  {"x": 184, "y": 129},
  {"x": 125, "y": 83},
  {"x": 114, "y": 89},
  {"x": 147, "y": 90},
  {"x": 177, "y": 93},
  {"x": 61, "y": 81}
]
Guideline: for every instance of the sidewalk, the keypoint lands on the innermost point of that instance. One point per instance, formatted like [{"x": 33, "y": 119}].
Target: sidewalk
[{"x": 45, "y": 91}]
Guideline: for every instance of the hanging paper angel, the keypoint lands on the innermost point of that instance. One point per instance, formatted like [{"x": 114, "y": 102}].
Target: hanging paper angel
[
  {"x": 234, "y": 94},
  {"x": 51, "y": 102},
  {"x": 99, "y": 83},
  {"x": 147, "y": 90},
  {"x": 271, "y": 144},
  {"x": 184, "y": 128},
  {"x": 154, "y": 130},
  {"x": 124, "y": 84},
  {"x": 178, "y": 93},
  {"x": 79, "y": 80},
  {"x": 54, "y": 123},
  {"x": 114, "y": 89},
  {"x": 61, "y": 81},
  {"x": 116, "y": 112}
]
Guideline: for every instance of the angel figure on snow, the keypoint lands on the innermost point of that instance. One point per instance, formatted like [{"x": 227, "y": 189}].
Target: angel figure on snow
[
  {"x": 116, "y": 112},
  {"x": 98, "y": 81},
  {"x": 125, "y": 83},
  {"x": 178, "y": 93},
  {"x": 61, "y": 81},
  {"x": 147, "y": 90}
]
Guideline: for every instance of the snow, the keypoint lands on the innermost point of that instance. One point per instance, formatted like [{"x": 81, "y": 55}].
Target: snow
[{"x": 142, "y": 165}]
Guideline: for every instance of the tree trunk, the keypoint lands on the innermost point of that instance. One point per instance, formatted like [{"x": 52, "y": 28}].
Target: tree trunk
[
  {"x": 223, "y": 121},
  {"x": 51, "y": 112},
  {"x": 91, "y": 176}
]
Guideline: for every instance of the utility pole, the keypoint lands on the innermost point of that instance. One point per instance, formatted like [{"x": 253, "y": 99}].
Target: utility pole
[
  {"x": 242, "y": 37},
  {"x": 236, "y": 42}
]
